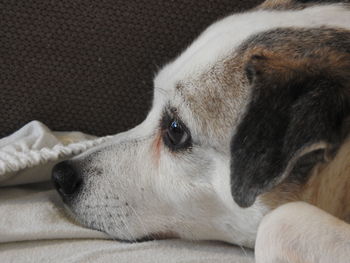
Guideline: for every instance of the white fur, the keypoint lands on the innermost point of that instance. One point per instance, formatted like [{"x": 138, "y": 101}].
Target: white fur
[{"x": 189, "y": 195}]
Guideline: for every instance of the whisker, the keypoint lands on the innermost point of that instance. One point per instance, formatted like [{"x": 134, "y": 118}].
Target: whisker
[
  {"x": 245, "y": 252},
  {"x": 161, "y": 90},
  {"x": 139, "y": 219}
]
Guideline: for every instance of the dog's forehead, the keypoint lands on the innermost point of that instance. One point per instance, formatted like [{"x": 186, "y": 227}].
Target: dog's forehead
[
  {"x": 225, "y": 36},
  {"x": 207, "y": 81}
]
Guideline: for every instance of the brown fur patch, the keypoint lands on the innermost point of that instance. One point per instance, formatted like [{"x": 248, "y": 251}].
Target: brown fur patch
[
  {"x": 328, "y": 188},
  {"x": 280, "y": 5},
  {"x": 298, "y": 42},
  {"x": 286, "y": 66},
  {"x": 281, "y": 194},
  {"x": 215, "y": 97},
  {"x": 290, "y": 4}
]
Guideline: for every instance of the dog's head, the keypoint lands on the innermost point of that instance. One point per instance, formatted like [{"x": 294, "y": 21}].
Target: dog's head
[{"x": 245, "y": 108}]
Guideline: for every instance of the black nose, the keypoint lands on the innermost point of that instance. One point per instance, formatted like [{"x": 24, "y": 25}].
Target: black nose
[{"x": 65, "y": 178}]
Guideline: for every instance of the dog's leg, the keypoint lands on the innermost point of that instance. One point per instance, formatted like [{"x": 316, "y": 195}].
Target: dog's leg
[{"x": 298, "y": 232}]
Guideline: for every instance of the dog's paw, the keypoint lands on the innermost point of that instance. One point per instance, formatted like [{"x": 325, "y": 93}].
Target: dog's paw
[{"x": 298, "y": 232}]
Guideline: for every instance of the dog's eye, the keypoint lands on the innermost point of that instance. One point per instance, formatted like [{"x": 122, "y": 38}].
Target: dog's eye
[
  {"x": 176, "y": 133},
  {"x": 177, "y": 136}
]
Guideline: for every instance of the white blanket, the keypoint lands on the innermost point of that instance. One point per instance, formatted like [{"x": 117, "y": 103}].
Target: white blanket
[{"x": 35, "y": 228}]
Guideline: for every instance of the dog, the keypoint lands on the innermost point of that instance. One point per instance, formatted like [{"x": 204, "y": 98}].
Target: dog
[{"x": 247, "y": 142}]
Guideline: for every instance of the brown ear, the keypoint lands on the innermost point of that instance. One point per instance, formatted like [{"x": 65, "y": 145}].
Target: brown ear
[{"x": 297, "y": 112}]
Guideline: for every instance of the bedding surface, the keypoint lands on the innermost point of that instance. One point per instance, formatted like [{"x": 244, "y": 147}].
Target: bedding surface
[{"x": 34, "y": 226}]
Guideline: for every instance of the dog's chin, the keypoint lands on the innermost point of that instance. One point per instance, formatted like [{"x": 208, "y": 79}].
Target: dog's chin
[
  {"x": 76, "y": 219},
  {"x": 72, "y": 216}
]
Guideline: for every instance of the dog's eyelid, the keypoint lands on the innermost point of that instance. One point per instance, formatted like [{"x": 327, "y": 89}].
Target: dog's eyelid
[
  {"x": 173, "y": 116},
  {"x": 171, "y": 113}
]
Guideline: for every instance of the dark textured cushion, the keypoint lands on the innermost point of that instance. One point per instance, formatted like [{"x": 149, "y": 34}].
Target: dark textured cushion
[{"x": 88, "y": 65}]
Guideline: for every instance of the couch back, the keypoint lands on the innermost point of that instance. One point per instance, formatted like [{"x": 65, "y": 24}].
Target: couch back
[{"x": 88, "y": 65}]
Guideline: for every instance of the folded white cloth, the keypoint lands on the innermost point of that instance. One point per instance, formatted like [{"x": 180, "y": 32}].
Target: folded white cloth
[
  {"x": 35, "y": 228},
  {"x": 36, "y": 146}
]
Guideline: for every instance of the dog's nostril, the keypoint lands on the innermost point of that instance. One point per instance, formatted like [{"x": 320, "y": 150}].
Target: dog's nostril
[{"x": 65, "y": 178}]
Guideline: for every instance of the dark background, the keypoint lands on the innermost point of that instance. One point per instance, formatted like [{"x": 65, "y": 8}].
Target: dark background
[{"x": 88, "y": 65}]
